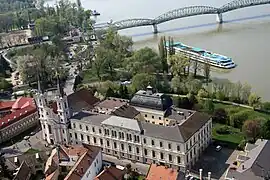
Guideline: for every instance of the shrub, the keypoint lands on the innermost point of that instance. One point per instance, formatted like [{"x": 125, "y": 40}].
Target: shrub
[
  {"x": 223, "y": 130},
  {"x": 203, "y": 93},
  {"x": 237, "y": 119},
  {"x": 241, "y": 145},
  {"x": 220, "y": 116}
]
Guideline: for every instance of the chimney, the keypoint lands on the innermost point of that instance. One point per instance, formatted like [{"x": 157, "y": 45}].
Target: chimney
[
  {"x": 209, "y": 175},
  {"x": 200, "y": 170}
]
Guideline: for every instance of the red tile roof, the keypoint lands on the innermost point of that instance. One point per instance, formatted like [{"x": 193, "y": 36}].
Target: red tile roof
[
  {"x": 6, "y": 105},
  {"x": 23, "y": 102},
  {"x": 112, "y": 103},
  {"x": 111, "y": 173},
  {"x": 161, "y": 172},
  {"x": 21, "y": 108},
  {"x": 83, "y": 163},
  {"x": 16, "y": 116}
]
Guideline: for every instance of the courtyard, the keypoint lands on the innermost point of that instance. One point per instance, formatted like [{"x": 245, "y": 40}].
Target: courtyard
[{"x": 215, "y": 162}]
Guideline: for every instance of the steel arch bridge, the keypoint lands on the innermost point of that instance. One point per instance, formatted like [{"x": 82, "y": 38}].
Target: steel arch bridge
[
  {"x": 185, "y": 12},
  {"x": 130, "y": 23},
  {"x": 238, "y": 4}
]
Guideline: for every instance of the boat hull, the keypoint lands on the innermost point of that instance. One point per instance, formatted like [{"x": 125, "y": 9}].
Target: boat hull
[{"x": 203, "y": 56}]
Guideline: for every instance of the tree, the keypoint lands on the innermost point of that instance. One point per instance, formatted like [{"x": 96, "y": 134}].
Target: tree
[
  {"x": 110, "y": 92},
  {"x": 265, "y": 132},
  {"x": 254, "y": 100},
  {"x": 4, "y": 84},
  {"x": 4, "y": 171},
  {"x": 266, "y": 106},
  {"x": 193, "y": 85},
  {"x": 209, "y": 105},
  {"x": 141, "y": 81},
  {"x": 144, "y": 60},
  {"x": 206, "y": 71},
  {"x": 178, "y": 64},
  {"x": 178, "y": 86},
  {"x": 163, "y": 54},
  {"x": 251, "y": 129},
  {"x": 202, "y": 93},
  {"x": 220, "y": 116}
]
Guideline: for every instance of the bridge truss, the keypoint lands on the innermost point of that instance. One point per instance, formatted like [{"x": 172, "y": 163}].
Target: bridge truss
[
  {"x": 129, "y": 23},
  {"x": 237, "y": 4},
  {"x": 185, "y": 12}
]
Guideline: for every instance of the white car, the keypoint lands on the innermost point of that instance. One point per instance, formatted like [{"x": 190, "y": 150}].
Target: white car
[
  {"x": 218, "y": 148},
  {"x": 26, "y": 137}
]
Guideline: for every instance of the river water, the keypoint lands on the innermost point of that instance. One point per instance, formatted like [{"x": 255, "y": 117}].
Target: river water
[{"x": 244, "y": 36}]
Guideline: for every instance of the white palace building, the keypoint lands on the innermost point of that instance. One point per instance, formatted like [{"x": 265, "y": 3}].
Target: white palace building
[{"x": 147, "y": 129}]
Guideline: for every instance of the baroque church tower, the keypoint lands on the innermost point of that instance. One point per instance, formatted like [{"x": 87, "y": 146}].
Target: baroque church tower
[{"x": 54, "y": 114}]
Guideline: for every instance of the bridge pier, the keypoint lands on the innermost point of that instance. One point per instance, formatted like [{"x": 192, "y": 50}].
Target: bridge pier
[
  {"x": 219, "y": 18},
  {"x": 155, "y": 29}
]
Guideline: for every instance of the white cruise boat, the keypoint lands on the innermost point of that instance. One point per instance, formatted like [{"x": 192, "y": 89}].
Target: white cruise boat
[{"x": 204, "y": 56}]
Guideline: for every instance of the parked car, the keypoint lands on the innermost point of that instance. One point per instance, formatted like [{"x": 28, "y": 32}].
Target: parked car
[
  {"x": 218, "y": 148},
  {"x": 26, "y": 137},
  {"x": 32, "y": 133}
]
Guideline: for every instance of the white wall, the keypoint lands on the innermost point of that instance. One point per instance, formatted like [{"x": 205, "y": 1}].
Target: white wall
[{"x": 94, "y": 169}]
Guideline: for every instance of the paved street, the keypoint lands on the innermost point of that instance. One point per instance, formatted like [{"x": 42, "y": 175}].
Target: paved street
[{"x": 141, "y": 168}]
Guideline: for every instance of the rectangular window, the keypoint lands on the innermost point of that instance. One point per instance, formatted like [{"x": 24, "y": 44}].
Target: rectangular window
[
  {"x": 88, "y": 138},
  {"x": 108, "y": 143},
  {"x": 80, "y": 126},
  {"x": 86, "y": 128},
  {"x": 137, "y": 150},
  {"x": 169, "y": 146},
  {"x": 82, "y": 137},
  {"x": 100, "y": 132},
  {"x": 153, "y": 154},
  {"x": 160, "y": 144},
  {"x": 145, "y": 152},
  {"x": 120, "y": 135},
  {"x": 129, "y": 148},
  {"x": 50, "y": 129},
  {"x": 178, "y": 148},
  {"x": 145, "y": 115},
  {"x": 194, "y": 152},
  {"x": 115, "y": 145},
  {"x": 153, "y": 117},
  {"x": 101, "y": 141},
  {"x": 127, "y": 137},
  {"x": 161, "y": 155},
  {"x": 95, "y": 140},
  {"x": 122, "y": 146},
  {"x": 159, "y": 118},
  {"x": 153, "y": 142},
  {"x": 178, "y": 160},
  {"x": 144, "y": 140},
  {"x": 75, "y": 134},
  {"x": 170, "y": 157},
  {"x": 93, "y": 129},
  {"x": 70, "y": 134}
]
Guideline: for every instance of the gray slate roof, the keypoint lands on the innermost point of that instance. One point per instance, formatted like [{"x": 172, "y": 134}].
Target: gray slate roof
[
  {"x": 177, "y": 133},
  {"x": 122, "y": 122},
  {"x": 156, "y": 101},
  {"x": 89, "y": 118},
  {"x": 259, "y": 158}
]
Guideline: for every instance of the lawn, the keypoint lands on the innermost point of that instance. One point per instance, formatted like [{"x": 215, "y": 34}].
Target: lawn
[
  {"x": 234, "y": 109},
  {"x": 234, "y": 137}
]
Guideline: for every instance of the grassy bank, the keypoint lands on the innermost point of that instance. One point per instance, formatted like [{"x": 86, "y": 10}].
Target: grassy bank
[{"x": 234, "y": 137}]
